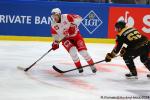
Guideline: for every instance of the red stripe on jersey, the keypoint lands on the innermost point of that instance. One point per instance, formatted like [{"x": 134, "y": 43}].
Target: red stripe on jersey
[
  {"x": 53, "y": 31},
  {"x": 70, "y": 18}
]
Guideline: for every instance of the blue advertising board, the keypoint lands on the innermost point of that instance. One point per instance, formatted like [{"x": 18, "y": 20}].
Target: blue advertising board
[{"x": 33, "y": 18}]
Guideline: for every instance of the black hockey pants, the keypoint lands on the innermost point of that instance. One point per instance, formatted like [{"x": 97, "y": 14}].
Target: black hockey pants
[{"x": 131, "y": 54}]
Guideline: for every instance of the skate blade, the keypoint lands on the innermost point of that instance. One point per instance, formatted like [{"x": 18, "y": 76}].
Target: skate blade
[{"x": 133, "y": 77}]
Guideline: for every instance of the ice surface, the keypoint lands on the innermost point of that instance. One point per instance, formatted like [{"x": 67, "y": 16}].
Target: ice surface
[{"x": 42, "y": 83}]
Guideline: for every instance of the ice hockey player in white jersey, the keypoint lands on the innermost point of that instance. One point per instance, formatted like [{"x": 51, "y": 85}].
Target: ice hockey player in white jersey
[{"x": 65, "y": 27}]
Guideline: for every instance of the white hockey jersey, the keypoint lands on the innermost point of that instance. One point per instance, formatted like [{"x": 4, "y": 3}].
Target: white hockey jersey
[{"x": 67, "y": 27}]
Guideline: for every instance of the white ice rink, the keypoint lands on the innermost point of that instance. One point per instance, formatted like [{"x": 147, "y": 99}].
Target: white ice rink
[{"x": 42, "y": 83}]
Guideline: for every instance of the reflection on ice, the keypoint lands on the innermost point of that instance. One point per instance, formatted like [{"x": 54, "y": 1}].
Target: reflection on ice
[{"x": 42, "y": 83}]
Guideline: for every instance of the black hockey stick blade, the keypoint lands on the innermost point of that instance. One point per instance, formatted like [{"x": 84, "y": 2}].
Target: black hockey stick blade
[
  {"x": 60, "y": 71},
  {"x": 26, "y": 69},
  {"x": 23, "y": 69}
]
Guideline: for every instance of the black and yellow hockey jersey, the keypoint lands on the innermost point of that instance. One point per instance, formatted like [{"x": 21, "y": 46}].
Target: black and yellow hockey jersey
[{"x": 131, "y": 37}]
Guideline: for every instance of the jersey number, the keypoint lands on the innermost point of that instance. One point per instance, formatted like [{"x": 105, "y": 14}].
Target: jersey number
[{"x": 134, "y": 36}]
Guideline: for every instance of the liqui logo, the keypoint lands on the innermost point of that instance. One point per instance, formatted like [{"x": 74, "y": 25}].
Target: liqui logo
[
  {"x": 91, "y": 22},
  {"x": 127, "y": 18},
  {"x": 131, "y": 21}
]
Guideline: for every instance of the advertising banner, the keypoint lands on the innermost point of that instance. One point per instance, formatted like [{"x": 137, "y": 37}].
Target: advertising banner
[
  {"x": 134, "y": 17},
  {"x": 33, "y": 18}
]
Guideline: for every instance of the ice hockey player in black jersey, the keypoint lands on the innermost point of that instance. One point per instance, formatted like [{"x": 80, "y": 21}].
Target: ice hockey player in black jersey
[{"x": 136, "y": 45}]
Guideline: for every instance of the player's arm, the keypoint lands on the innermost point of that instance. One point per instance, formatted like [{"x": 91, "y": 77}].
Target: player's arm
[
  {"x": 54, "y": 34},
  {"x": 55, "y": 44},
  {"x": 75, "y": 21},
  {"x": 116, "y": 49},
  {"x": 118, "y": 45}
]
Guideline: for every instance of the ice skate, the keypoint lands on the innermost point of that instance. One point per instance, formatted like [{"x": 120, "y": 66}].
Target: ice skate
[
  {"x": 148, "y": 76},
  {"x": 94, "y": 70},
  {"x": 131, "y": 76},
  {"x": 80, "y": 70}
]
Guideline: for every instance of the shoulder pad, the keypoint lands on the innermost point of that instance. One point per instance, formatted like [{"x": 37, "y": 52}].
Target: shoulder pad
[{"x": 123, "y": 30}]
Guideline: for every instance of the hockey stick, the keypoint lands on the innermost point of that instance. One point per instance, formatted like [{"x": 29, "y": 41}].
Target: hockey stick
[
  {"x": 60, "y": 71},
  {"x": 26, "y": 69}
]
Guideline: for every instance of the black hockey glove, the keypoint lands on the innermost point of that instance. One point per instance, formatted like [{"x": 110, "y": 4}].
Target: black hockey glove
[
  {"x": 108, "y": 57},
  {"x": 123, "y": 51}
]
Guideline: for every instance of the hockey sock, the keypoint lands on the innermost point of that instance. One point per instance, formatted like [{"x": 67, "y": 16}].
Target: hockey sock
[
  {"x": 78, "y": 64},
  {"x": 130, "y": 64}
]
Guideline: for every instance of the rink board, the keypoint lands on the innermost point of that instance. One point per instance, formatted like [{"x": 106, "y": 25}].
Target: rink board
[
  {"x": 134, "y": 17},
  {"x": 49, "y": 39},
  {"x": 31, "y": 19}
]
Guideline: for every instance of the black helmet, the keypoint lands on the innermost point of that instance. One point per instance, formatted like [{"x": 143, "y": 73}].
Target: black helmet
[{"x": 120, "y": 24}]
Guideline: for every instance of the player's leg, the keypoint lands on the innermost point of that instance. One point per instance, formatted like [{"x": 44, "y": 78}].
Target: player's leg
[
  {"x": 145, "y": 58},
  {"x": 130, "y": 64},
  {"x": 88, "y": 58},
  {"x": 73, "y": 53},
  {"x": 75, "y": 58},
  {"x": 80, "y": 44}
]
